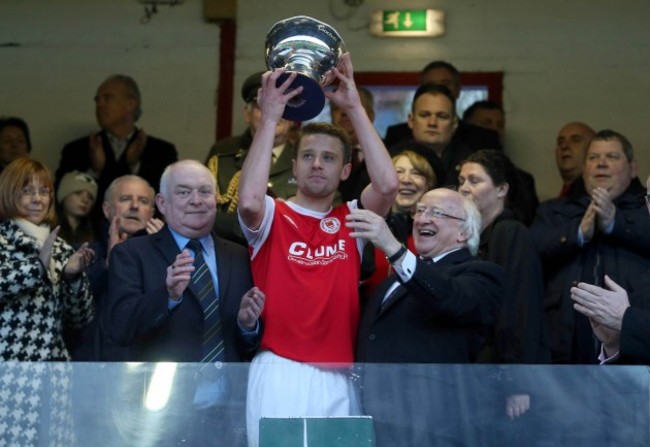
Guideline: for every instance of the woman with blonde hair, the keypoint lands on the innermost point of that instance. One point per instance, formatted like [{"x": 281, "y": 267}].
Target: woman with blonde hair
[{"x": 416, "y": 176}]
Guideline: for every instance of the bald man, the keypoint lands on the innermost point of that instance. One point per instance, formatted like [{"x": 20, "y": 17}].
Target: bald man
[{"x": 570, "y": 149}]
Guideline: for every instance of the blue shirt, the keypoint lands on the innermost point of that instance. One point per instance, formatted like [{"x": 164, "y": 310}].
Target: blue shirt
[{"x": 208, "y": 254}]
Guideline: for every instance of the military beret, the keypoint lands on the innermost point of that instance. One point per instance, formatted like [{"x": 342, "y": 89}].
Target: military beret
[{"x": 250, "y": 87}]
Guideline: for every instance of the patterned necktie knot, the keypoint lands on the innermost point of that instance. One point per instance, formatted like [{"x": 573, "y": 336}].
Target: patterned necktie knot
[{"x": 195, "y": 246}]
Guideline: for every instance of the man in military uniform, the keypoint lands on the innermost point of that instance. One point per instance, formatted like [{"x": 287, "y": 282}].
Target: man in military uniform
[{"x": 226, "y": 157}]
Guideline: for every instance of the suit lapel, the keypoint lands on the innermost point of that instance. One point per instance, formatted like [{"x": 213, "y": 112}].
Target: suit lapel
[
  {"x": 167, "y": 245},
  {"x": 394, "y": 297}
]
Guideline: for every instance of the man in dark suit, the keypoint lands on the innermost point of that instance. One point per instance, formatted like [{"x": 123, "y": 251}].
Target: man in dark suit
[
  {"x": 600, "y": 229},
  {"x": 433, "y": 123},
  {"x": 119, "y": 148},
  {"x": 445, "y": 74},
  {"x": 433, "y": 309},
  {"x": 163, "y": 312},
  {"x": 624, "y": 330},
  {"x": 128, "y": 206}
]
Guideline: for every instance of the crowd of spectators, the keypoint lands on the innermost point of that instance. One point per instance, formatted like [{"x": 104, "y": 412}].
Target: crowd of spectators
[{"x": 429, "y": 246}]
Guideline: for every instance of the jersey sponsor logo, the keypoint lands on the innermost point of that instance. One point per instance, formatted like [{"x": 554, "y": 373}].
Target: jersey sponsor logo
[
  {"x": 302, "y": 253},
  {"x": 330, "y": 225}
]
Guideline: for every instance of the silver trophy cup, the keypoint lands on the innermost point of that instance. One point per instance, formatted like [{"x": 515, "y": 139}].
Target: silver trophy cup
[{"x": 310, "y": 48}]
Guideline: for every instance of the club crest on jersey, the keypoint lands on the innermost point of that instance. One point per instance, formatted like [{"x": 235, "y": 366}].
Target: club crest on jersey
[{"x": 330, "y": 225}]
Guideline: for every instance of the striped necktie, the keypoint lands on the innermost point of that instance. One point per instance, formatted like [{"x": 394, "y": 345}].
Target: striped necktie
[{"x": 203, "y": 288}]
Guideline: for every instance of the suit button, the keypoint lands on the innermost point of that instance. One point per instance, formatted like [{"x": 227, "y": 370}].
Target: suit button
[
  {"x": 563, "y": 240},
  {"x": 372, "y": 337}
]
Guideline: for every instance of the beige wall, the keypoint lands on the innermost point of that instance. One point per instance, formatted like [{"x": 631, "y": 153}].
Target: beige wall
[
  {"x": 563, "y": 60},
  {"x": 67, "y": 47}
]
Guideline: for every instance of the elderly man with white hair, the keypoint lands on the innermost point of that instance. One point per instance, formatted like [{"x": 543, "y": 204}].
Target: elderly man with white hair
[
  {"x": 435, "y": 308},
  {"x": 443, "y": 282}
]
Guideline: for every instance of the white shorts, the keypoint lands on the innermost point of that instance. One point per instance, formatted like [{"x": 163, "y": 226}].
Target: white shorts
[{"x": 281, "y": 388}]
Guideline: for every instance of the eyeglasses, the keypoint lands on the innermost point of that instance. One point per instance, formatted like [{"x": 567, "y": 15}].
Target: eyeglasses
[
  {"x": 420, "y": 211},
  {"x": 33, "y": 192}
]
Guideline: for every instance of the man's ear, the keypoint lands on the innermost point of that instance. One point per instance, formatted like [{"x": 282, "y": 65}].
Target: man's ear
[
  {"x": 106, "y": 210},
  {"x": 133, "y": 106},
  {"x": 502, "y": 190},
  {"x": 160, "y": 203},
  {"x": 345, "y": 173},
  {"x": 464, "y": 235},
  {"x": 247, "y": 114},
  {"x": 634, "y": 168}
]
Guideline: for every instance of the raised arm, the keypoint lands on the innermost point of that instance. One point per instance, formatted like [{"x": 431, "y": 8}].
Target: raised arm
[
  {"x": 255, "y": 171},
  {"x": 380, "y": 194}
]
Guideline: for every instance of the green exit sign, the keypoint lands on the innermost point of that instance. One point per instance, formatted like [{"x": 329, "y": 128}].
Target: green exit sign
[
  {"x": 407, "y": 23},
  {"x": 407, "y": 20}
]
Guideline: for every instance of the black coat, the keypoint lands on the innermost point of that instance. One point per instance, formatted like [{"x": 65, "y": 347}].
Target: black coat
[
  {"x": 624, "y": 255},
  {"x": 520, "y": 333},
  {"x": 635, "y": 336},
  {"x": 156, "y": 156},
  {"x": 439, "y": 316},
  {"x": 475, "y": 137}
]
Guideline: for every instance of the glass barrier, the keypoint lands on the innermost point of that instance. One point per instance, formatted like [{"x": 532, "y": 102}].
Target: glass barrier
[{"x": 192, "y": 404}]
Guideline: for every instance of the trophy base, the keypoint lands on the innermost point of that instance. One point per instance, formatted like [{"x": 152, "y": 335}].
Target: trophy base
[{"x": 306, "y": 105}]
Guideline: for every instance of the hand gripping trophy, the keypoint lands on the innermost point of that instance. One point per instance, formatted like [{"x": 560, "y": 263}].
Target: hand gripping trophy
[{"x": 310, "y": 48}]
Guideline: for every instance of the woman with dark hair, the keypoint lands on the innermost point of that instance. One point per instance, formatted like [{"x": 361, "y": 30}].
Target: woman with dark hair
[
  {"x": 42, "y": 285},
  {"x": 14, "y": 140},
  {"x": 489, "y": 178}
]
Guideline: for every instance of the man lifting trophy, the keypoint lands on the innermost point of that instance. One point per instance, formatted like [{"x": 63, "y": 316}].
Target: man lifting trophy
[{"x": 305, "y": 251}]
